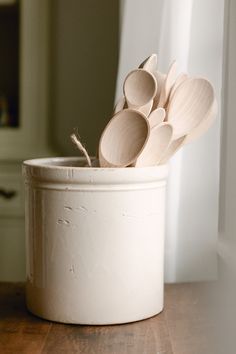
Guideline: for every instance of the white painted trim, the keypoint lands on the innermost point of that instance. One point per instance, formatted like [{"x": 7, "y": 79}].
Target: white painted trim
[{"x": 31, "y": 137}]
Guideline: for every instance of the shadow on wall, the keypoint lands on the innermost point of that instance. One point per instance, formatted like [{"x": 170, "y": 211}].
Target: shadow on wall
[{"x": 84, "y": 59}]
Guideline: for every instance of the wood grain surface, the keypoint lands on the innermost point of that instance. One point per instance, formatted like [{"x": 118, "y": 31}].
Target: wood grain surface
[{"x": 182, "y": 328}]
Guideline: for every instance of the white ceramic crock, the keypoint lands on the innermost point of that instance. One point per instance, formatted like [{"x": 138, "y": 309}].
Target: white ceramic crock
[{"x": 94, "y": 240}]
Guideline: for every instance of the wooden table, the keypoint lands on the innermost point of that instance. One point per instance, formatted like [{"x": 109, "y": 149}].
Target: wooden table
[{"x": 182, "y": 328}]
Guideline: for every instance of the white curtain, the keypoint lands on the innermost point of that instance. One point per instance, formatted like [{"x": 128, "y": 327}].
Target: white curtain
[{"x": 190, "y": 31}]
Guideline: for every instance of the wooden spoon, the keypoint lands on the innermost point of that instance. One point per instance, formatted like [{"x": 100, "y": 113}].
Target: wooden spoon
[
  {"x": 160, "y": 77},
  {"x": 146, "y": 109},
  {"x": 180, "y": 79},
  {"x": 123, "y": 139},
  {"x": 167, "y": 85},
  {"x": 150, "y": 64},
  {"x": 204, "y": 125},
  {"x": 119, "y": 105},
  {"x": 160, "y": 137},
  {"x": 156, "y": 117},
  {"x": 140, "y": 88},
  {"x": 190, "y": 105},
  {"x": 174, "y": 146}
]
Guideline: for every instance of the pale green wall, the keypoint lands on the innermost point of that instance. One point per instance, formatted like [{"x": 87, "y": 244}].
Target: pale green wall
[{"x": 84, "y": 56}]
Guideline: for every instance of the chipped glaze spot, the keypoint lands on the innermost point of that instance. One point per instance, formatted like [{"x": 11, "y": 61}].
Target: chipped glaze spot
[
  {"x": 68, "y": 208},
  {"x": 83, "y": 208},
  {"x": 63, "y": 222}
]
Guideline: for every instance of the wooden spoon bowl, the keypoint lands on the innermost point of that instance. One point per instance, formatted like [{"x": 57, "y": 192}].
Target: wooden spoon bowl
[
  {"x": 157, "y": 144},
  {"x": 123, "y": 139},
  {"x": 140, "y": 88},
  {"x": 189, "y": 106}
]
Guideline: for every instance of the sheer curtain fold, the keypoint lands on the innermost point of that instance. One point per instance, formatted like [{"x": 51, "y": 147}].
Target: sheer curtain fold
[{"x": 190, "y": 31}]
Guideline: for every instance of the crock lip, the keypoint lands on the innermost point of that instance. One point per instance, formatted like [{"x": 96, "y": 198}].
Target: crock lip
[
  {"x": 41, "y": 171},
  {"x": 44, "y": 163}
]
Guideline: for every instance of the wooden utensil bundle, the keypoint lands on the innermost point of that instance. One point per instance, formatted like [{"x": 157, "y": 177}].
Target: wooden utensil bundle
[{"x": 158, "y": 114}]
